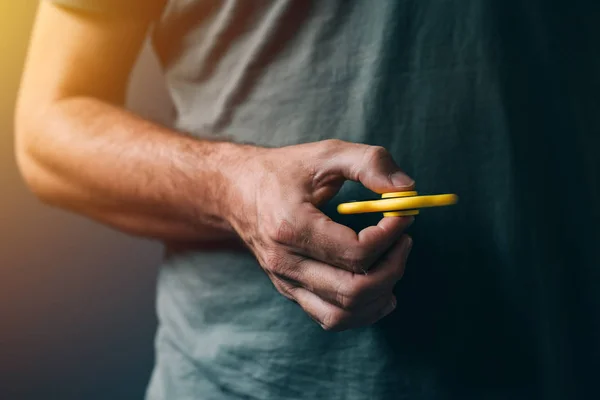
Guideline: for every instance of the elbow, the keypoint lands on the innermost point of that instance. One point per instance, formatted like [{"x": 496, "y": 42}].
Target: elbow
[
  {"x": 40, "y": 181},
  {"x": 36, "y": 177},
  {"x": 24, "y": 157},
  {"x": 32, "y": 174}
]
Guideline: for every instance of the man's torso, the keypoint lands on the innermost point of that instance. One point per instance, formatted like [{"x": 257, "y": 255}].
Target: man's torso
[{"x": 471, "y": 97}]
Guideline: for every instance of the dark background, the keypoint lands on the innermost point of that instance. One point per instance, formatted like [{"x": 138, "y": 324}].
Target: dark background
[{"x": 76, "y": 299}]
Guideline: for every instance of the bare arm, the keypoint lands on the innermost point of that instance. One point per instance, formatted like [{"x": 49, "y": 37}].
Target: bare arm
[{"x": 79, "y": 150}]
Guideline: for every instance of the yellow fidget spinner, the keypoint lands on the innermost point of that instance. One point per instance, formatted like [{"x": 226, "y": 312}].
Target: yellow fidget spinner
[{"x": 398, "y": 204}]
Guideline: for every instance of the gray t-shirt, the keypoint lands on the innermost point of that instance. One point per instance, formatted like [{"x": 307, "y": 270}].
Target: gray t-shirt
[{"x": 493, "y": 100}]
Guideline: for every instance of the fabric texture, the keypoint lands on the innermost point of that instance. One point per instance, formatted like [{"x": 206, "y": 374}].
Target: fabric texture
[{"x": 494, "y": 100}]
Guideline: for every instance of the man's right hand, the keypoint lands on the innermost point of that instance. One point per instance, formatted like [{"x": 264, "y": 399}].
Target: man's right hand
[{"x": 340, "y": 278}]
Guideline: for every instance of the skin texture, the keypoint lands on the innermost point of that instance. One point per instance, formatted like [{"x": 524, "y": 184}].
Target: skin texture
[{"x": 79, "y": 150}]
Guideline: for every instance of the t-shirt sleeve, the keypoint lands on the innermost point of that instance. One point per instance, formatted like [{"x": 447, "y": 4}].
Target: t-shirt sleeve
[{"x": 126, "y": 8}]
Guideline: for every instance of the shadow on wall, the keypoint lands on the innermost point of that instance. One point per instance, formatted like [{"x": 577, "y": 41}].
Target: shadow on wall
[{"x": 76, "y": 299}]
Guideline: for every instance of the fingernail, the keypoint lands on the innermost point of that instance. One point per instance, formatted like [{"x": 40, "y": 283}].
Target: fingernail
[{"x": 401, "y": 180}]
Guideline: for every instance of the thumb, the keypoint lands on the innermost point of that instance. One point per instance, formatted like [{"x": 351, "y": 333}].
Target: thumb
[{"x": 373, "y": 166}]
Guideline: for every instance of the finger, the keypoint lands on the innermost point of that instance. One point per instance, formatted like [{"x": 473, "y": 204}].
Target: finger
[
  {"x": 315, "y": 236},
  {"x": 333, "y": 318},
  {"x": 345, "y": 289},
  {"x": 379, "y": 238},
  {"x": 373, "y": 166}
]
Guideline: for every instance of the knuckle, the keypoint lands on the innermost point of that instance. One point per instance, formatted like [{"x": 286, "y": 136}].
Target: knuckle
[
  {"x": 333, "y": 321},
  {"x": 282, "y": 231},
  {"x": 356, "y": 259},
  {"x": 273, "y": 261},
  {"x": 332, "y": 143},
  {"x": 286, "y": 290},
  {"x": 375, "y": 153},
  {"x": 279, "y": 285},
  {"x": 329, "y": 146},
  {"x": 350, "y": 295},
  {"x": 282, "y": 265}
]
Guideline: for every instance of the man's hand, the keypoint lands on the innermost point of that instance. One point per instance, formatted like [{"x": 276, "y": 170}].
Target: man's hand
[{"x": 312, "y": 260}]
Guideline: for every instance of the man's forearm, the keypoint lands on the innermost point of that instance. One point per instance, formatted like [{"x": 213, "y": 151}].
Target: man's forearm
[{"x": 98, "y": 160}]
